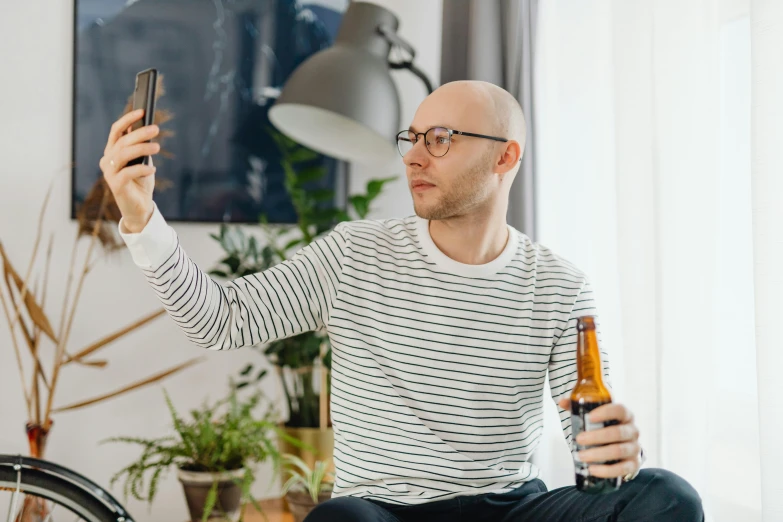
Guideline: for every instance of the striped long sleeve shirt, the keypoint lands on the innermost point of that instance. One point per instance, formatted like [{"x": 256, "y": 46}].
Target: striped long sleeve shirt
[{"x": 438, "y": 367}]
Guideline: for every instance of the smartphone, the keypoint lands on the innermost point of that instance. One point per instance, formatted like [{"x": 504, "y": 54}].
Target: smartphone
[{"x": 144, "y": 98}]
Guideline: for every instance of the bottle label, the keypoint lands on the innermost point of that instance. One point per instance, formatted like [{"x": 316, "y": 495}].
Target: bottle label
[{"x": 580, "y": 423}]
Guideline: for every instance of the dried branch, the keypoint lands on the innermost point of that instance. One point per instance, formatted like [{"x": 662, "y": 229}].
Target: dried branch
[
  {"x": 33, "y": 308},
  {"x": 37, "y": 337},
  {"x": 149, "y": 380},
  {"x": 68, "y": 285},
  {"x": 64, "y": 336},
  {"x": 34, "y": 352},
  {"x": 112, "y": 337},
  {"x": 38, "y": 233},
  {"x": 18, "y": 355},
  {"x": 6, "y": 262},
  {"x": 101, "y": 363}
]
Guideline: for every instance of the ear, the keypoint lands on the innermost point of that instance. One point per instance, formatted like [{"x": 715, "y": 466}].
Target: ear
[{"x": 510, "y": 157}]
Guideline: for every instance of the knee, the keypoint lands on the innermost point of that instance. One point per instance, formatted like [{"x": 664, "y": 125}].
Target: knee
[
  {"x": 671, "y": 494},
  {"x": 341, "y": 509}
]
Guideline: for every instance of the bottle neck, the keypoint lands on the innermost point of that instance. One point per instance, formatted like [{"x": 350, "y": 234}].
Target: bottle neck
[{"x": 588, "y": 357}]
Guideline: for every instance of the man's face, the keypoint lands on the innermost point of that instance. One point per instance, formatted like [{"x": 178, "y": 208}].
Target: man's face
[{"x": 462, "y": 181}]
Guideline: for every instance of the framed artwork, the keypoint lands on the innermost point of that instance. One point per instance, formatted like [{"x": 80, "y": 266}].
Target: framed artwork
[{"x": 223, "y": 64}]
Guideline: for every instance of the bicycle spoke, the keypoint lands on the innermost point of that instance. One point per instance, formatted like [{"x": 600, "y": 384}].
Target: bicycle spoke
[{"x": 15, "y": 497}]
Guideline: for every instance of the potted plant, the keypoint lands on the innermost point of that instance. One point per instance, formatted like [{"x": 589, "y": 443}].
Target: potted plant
[
  {"x": 306, "y": 487},
  {"x": 213, "y": 451},
  {"x": 302, "y": 361}
]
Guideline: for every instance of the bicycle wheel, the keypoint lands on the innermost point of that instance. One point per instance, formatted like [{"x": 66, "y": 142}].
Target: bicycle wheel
[{"x": 62, "y": 486}]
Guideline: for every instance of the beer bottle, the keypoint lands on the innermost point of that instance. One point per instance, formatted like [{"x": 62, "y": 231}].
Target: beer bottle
[{"x": 588, "y": 394}]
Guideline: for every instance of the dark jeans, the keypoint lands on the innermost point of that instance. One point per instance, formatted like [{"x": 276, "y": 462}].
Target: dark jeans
[{"x": 655, "y": 495}]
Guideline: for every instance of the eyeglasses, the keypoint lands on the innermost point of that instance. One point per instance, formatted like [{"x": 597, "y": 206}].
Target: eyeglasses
[{"x": 437, "y": 140}]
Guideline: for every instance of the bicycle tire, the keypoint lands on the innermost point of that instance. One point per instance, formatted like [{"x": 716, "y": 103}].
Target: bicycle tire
[{"x": 62, "y": 486}]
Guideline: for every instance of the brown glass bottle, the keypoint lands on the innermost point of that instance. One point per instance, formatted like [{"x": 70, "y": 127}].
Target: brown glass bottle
[{"x": 589, "y": 393}]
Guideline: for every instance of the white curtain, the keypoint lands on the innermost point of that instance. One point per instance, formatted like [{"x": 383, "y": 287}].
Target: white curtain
[
  {"x": 767, "y": 167},
  {"x": 644, "y": 180}
]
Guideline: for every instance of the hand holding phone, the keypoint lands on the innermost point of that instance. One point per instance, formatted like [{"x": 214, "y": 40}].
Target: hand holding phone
[{"x": 127, "y": 159}]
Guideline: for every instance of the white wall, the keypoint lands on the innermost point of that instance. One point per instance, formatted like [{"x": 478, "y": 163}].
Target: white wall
[{"x": 35, "y": 134}]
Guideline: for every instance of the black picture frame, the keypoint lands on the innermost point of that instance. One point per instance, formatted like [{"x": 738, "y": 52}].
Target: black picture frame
[{"x": 250, "y": 53}]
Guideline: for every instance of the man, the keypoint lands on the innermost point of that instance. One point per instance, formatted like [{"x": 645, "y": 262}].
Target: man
[{"x": 443, "y": 326}]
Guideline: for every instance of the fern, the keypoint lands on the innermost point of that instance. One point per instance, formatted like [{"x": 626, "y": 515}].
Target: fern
[{"x": 227, "y": 435}]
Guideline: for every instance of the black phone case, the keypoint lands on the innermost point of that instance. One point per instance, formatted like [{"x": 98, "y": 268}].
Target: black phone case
[{"x": 144, "y": 98}]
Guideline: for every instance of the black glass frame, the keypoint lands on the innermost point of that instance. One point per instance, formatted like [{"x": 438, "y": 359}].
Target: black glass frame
[{"x": 404, "y": 136}]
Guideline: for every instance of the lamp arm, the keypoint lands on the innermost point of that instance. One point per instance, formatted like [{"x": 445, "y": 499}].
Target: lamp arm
[
  {"x": 415, "y": 70},
  {"x": 393, "y": 38}
]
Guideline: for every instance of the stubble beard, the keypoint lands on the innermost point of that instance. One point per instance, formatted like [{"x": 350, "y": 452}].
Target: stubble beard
[{"x": 468, "y": 191}]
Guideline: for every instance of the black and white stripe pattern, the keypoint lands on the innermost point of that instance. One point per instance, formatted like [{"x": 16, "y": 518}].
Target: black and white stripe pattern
[{"x": 438, "y": 368}]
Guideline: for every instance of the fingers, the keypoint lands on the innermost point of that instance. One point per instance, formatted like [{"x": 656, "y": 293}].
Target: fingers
[
  {"x": 138, "y": 136},
  {"x": 608, "y": 435},
  {"x": 611, "y": 411},
  {"x": 134, "y": 151},
  {"x": 564, "y": 404},
  {"x": 120, "y": 126},
  {"x": 129, "y": 147},
  {"x": 134, "y": 172},
  {"x": 601, "y": 454},
  {"x": 620, "y": 469}
]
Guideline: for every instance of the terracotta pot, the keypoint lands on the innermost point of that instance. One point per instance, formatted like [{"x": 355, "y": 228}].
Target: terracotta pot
[
  {"x": 196, "y": 485},
  {"x": 300, "y": 503}
]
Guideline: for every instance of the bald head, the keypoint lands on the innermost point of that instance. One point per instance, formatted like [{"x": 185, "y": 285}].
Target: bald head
[
  {"x": 471, "y": 175},
  {"x": 494, "y": 109}
]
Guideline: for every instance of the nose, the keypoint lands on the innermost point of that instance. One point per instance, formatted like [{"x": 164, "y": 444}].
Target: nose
[{"x": 418, "y": 156}]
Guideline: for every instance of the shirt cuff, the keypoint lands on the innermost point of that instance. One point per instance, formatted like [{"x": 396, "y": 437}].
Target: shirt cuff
[{"x": 154, "y": 244}]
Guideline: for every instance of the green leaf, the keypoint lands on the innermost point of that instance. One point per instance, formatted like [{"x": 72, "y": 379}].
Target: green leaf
[
  {"x": 209, "y": 503},
  {"x": 261, "y": 375},
  {"x": 310, "y": 174},
  {"x": 322, "y": 195},
  {"x": 233, "y": 263},
  {"x": 361, "y": 205},
  {"x": 218, "y": 273},
  {"x": 301, "y": 155},
  {"x": 291, "y": 244},
  {"x": 375, "y": 186},
  {"x": 311, "y": 480}
]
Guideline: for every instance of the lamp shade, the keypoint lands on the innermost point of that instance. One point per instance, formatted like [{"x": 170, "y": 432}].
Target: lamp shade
[{"x": 342, "y": 101}]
